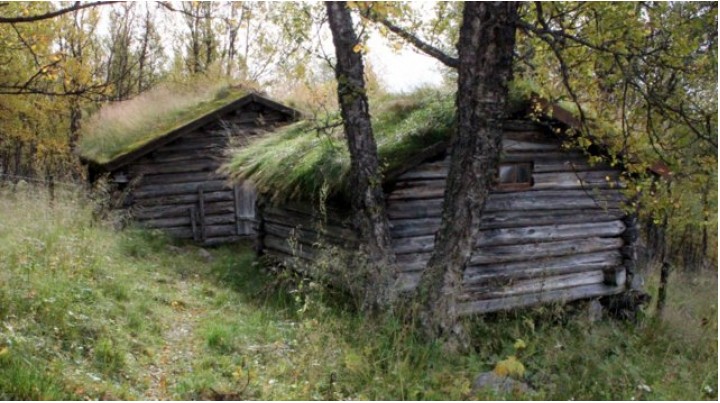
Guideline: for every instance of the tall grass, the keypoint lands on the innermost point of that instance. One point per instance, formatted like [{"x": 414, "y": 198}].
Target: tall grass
[
  {"x": 87, "y": 312},
  {"x": 123, "y": 126}
]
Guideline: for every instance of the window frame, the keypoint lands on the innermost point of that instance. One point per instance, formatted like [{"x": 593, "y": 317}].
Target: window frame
[{"x": 515, "y": 185}]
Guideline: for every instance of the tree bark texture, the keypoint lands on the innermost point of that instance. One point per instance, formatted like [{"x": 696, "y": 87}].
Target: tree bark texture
[
  {"x": 367, "y": 197},
  {"x": 485, "y": 49}
]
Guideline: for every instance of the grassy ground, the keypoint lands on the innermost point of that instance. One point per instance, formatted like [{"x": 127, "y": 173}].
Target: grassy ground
[{"x": 87, "y": 312}]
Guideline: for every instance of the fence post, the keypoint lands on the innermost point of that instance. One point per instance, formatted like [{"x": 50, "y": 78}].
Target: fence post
[{"x": 51, "y": 188}]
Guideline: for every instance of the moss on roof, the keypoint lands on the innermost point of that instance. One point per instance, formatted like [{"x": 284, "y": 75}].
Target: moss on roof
[
  {"x": 301, "y": 160},
  {"x": 120, "y": 128}
]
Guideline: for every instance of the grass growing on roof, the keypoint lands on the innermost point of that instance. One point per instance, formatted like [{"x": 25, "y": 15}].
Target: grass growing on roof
[
  {"x": 300, "y": 159},
  {"x": 122, "y": 127}
]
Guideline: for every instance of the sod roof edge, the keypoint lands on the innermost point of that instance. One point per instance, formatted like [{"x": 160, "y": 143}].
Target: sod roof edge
[{"x": 157, "y": 142}]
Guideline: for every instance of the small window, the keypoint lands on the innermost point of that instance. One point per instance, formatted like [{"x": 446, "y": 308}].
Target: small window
[{"x": 514, "y": 176}]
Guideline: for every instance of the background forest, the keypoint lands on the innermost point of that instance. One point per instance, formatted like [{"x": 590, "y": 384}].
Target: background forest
[
  {"x": 641, "y": 77},
  {"x": 644, "y": 74}
]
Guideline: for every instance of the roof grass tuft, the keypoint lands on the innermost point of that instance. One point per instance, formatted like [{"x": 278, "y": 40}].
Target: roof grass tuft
[
  {"x": 298, "y": 161},
  {"x": 122, "y": 127}
]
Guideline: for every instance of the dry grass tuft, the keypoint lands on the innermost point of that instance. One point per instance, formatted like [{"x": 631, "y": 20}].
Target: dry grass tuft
[{"x": 124, "y": 126}]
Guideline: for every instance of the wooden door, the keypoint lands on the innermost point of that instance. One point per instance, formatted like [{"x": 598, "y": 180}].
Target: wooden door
[{"x": 244, "y": 209}]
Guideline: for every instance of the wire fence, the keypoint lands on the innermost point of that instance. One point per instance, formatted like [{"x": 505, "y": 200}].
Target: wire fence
[{"x": 48, "y": 182}]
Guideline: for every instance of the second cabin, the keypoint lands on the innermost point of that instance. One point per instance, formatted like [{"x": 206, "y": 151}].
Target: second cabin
[
  {"x": 164, "y": 165},
  {"x": 553, "y": 228}
]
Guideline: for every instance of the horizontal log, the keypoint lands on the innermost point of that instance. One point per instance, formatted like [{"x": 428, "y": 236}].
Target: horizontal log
[
  {"x": 509, "y": 145},
  {"x": 479, "y": 274},
  {"x": 181, "y": 210},
  {"x": 564, "y": 200},
  {"x": 518, "y": 301},
  {"x": 272, "y": 243},
  {"x": 303, "y": 235},
  {"x": 225, "y": 218},
  {"x": 181, "y": 145},
  {"x": 306, "y": 213},
  {"x": 532, "y": 285},
  {"x": 511, "y": 253},
  {"x": 403, "y": 228},
  {"x": 162, "y": 179},
  {"x": 182, "y": 156},
  {"x": 328, "y": 229},
  {"x": 199, "y": 165},
  {"x": 519, "y": 236},
  {"x": 518, "y": 253},
  {"x": 155, "y": 190},
  {"x": 218, "y": 196},
  {"x": 572, "y": 180}
]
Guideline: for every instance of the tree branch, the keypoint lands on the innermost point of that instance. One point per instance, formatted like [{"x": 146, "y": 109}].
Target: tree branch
[
  {"x": 421, "y": 45},
  {"x": 39, "y": 17}
]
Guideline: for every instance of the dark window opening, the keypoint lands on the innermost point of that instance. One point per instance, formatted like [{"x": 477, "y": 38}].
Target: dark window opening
[{"x": 514, "y": 176}]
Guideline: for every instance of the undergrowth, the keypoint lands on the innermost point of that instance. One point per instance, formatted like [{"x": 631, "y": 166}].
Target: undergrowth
[{"x": 88, "y": 312}]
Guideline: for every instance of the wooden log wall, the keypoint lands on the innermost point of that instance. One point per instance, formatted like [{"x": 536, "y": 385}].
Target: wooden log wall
[
  {"x": 177, "y": 189},
  {"x": 561, "y": 239}
]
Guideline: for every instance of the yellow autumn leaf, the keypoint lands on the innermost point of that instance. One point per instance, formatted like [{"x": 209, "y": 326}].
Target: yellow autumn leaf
[
  {"x": 358, "y": 48},
  {"x": 510, "y": 367},
  {"x": 4, "y": 351},
  {"x": 519, "y": 344}
]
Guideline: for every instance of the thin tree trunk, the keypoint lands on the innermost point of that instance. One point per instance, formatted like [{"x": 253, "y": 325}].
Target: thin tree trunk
[
  {"x": 485, "y": 48},
  {"x": 368, "y": 200},
  {"x": 662, "y": 289}
]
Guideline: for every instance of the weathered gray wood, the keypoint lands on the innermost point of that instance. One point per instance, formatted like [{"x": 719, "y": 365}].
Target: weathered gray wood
[
  {"x": 403, "y": 228},
  {"x": 147, "y": 191},
  {"x": 190, "y": 197},
  {"x": 510, "y": 253},
  {"x": 201, "y": 213},
  {"x": 163, "y": 179},
  {"x": 542, "y": 267},
  {"x": 179, "y": 210},
  {"x": 518, "y": 236},
  {"x": 405, "y": 209},
  {"x": 526, "y": 146},
  {"x": 572, "y": 180},
  {"x": 516, "y": 253},
  {"x": 193, "y": 222},
  {"x": 244, "y": 208},
  {"x": 236, "y": 201},
  {"x": 181, "y": 221},
  {"x": 199, "y": 165},
  {"x": 273, "y": 243},
  {"x": 306, "y": 236},
  {"x": 532, "y": 285},
  {"x": 518, "y": 301},
  {"x": 295, "y": 218}
]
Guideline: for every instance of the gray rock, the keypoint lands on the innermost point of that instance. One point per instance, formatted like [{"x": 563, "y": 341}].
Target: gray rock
[
  {"x": 205, "y": 255},
  {"x": 499, "y": 384},
  {"x": 595, "y": 311}
]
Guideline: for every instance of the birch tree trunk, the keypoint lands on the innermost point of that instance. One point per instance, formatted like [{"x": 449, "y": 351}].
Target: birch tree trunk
[
  {"x": 367, "y": 197},
  {"x": 485, "y": 49}
]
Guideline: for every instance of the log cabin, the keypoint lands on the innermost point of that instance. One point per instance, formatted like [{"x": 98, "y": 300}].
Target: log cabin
[
  {"x": 554, "y": 229},
  {"x": 169, "y": 180}
]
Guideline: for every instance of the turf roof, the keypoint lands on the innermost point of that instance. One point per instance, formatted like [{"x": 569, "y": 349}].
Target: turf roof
[
  {"x": 301, "y": 160},
  {"x": 122, "y": 128}
]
